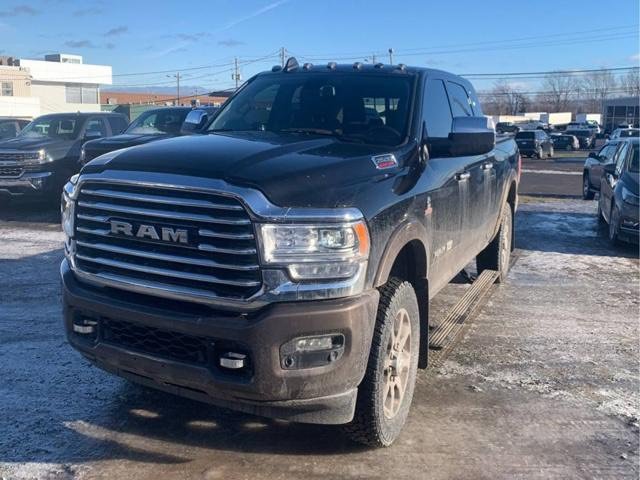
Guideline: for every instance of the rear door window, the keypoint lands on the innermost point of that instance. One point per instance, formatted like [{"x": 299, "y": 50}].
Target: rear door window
[
  {"x": 620, "y": 158},
  {"x": 96, "y": 125},
  {"x": 117, "y": 124}
]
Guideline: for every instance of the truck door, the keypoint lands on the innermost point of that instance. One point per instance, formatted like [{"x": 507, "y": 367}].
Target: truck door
[
  {"x": 479, "y": 174},
  {"x": 445, "y": 192}
]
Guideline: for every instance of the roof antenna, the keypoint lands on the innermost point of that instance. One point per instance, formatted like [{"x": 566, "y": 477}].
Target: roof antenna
[{"x": 292, "y": 64}]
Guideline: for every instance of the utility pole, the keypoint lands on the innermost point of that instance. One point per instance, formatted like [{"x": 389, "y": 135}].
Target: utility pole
[
  {"x": 236, "y": 74},
  {"x": 177, "y": 77},
  {"x": 373, "y": 58},
  {"x": 283, "y": 54},
  {"x": 391, "y": 56}
]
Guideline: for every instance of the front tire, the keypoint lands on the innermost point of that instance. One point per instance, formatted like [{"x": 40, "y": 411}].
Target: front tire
[
  {"x": 497, "y": 255},
  {"x": 551, "y": 152},
  {"x": 614, "y": 226},
  {"x": 587, "y": 193},
  {"x": 385, "y": 394}
]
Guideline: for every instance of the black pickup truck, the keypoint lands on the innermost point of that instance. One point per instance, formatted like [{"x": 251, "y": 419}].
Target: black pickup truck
[
  {"x": 283, "y": 264},
  {"x": 151, "y": 126},
  {"x": 42, "y": 157}
]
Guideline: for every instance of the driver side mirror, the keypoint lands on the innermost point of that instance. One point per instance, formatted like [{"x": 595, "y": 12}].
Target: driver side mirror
[
  {"x": 594, "y": 155},
  {"x": 471, "y": 136},
  {"x": 195, "y": 121},
  {"x": 92, "y": 135}
]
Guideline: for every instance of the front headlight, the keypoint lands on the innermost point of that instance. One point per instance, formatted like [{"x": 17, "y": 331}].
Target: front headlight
[
  {"x": 313, "y": 252},
  {"x": 42, "y": 157},
  {"x": 67, "y": 206},
  {"x": 629, "y": 197}
]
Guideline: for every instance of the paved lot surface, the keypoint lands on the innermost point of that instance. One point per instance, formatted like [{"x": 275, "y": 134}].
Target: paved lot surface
[
  {"x": 542, "y": 384},
  {"x": 560, "y": 176}
]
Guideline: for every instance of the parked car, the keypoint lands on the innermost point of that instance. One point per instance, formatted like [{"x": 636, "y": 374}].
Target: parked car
[
  {"x": 282, "y": 264},
  {"x": 565, "y": 142},
  {"x": 534, "y": 143},
  {"x": 507, "y": 127},
  {"x": 618, "y": 204},
  {"x": 152, "y": 125},
  {"x": 619, "y": 133},
  {"x": 533, "y": 125},
  {"x": 586, "y": 136},
  {"x": 11, "y": 127},
  {"x": 594, "y": 168},
  {"x": 45, "y": 154}
]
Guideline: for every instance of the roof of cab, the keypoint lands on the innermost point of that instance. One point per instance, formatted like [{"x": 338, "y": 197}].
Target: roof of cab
[{"x": 292, "y": 66}]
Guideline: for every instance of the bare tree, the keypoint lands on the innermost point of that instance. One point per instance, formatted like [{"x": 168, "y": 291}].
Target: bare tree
[
  {"x": 557, "y": 90},
  {"x": 630, "y": 83},
  {"x": 505, "y": 99},
  {"x": 596, "y": 87}
]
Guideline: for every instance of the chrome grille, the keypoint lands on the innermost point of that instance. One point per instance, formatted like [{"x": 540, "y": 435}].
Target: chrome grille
[
  {"x": 219, "y": 259},
  {"x": 17, "y": 155},
  {"x": 11, "y": 172}
]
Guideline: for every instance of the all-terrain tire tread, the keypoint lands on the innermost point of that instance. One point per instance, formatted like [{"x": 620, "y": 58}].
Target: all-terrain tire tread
[{"x": 363, "y": 427}]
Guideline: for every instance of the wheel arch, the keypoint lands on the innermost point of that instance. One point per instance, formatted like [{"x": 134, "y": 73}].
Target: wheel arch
[{"x": 405, "y": 257}]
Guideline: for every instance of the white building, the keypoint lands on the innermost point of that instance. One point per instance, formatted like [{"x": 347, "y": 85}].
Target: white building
[{"x": 60, "y": 83}]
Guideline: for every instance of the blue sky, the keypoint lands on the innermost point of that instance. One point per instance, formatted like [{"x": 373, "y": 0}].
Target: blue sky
[{"x": 460, "y": 36}]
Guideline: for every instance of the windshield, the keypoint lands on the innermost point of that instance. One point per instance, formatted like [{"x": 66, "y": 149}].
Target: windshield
[
  {"x": 158, "y": 122},
  {"x": 353, "y": 107},
  {"x": 56, "y": 127},
  {"x": 525, "y": 135},
  {"x": 633, "y": 164}
]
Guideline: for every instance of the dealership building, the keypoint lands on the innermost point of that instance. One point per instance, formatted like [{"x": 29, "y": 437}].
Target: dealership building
[
  {"x": 58, "y": 83},
  {"x": 620, "y": 111}
]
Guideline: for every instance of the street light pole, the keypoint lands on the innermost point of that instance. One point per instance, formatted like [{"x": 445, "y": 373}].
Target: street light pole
[{"x": 391, "y": 56}]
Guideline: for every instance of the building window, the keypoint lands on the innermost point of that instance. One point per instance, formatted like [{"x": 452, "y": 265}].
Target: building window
[
  {"x": 89, "y": 94},
  {"x": 7, "y": 89},
  {"x": 73, "y": 93},
  {"x": 81, "y": 94}
]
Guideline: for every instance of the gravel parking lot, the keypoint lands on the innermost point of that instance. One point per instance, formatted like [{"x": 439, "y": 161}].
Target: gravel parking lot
[{"x": 542, "y": 384}]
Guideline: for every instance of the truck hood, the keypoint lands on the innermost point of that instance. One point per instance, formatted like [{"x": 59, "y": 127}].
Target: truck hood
[
  {"x": 122, "y": 141},
  {"x": 291, "y": 170},
  {"x": 34, "y": 143}
]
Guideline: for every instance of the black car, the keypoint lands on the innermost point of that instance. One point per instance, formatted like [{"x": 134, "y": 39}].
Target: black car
[
  {"x": 619, "y": 201},
  {"x": 11, "y": 127},
  {"x": 282, "y": 264},
  {"x": 593, "y": 168},
  {"x": 45, "y": 153},
  {"x": 564, "y": 142},
  {"x": 507, "y": 127},
  {"x": 534, "y": 143},
  {"x": 150, "y": 126},
  {"x": 586, "y": 136}
]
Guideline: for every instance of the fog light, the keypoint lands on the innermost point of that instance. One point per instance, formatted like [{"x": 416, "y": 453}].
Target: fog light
[
  {"x": 37, "y": 183},
  {"x": 232, "y": 360},
  {"x": 313, "y": 351},
  {"x": 85, "y": 326}
]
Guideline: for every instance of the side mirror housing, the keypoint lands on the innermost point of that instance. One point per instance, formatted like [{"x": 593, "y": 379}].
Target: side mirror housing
[
  {"x": 471, "y": 136},
  {"x": 610, "y": 168},
  {"x": 92, "y": 135},
  {"x": 195, "y": 121},
  {"x": 594, "y": 155}
]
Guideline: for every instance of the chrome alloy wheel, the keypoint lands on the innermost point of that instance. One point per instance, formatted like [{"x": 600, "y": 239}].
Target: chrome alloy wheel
[{"x": 397, "y": 364}]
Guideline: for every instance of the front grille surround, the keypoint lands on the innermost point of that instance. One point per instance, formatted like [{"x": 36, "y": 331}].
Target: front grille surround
[
  {"x": 11, "y": 172},
  {"x": 220, "y": 259},
  {"x": 18, "y": 155}
]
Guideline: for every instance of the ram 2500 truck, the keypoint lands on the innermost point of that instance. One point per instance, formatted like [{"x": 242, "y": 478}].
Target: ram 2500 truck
[{"x": 283, "y": 263}]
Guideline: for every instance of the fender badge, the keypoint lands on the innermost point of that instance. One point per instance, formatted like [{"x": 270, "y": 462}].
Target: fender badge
[{"x": 382, "y": 162}]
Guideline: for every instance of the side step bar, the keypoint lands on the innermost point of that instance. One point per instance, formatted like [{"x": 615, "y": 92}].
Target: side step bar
[{"x": 448, "y": 330}]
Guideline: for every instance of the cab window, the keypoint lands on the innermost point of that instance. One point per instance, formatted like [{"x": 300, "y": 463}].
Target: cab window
[
  {"x": 460, "y": 104},
  {"x": 620, "y": 158}
]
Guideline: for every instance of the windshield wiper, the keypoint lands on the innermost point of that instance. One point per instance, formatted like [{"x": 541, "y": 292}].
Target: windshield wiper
[{"x": 322, "y": 131}]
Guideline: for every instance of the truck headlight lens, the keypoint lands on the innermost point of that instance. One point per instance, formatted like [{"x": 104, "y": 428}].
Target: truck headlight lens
[
  {"x": 67, "y": 206},
  {"x": 315, "y": 251},
  {"x": 43, "y": 157},
  {"x": 629, "y": 197}
]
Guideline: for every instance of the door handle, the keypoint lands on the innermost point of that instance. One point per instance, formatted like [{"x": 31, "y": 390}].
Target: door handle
[
  {"x": 463, "y": 176},
  {"x": 487, "y": 166}
]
